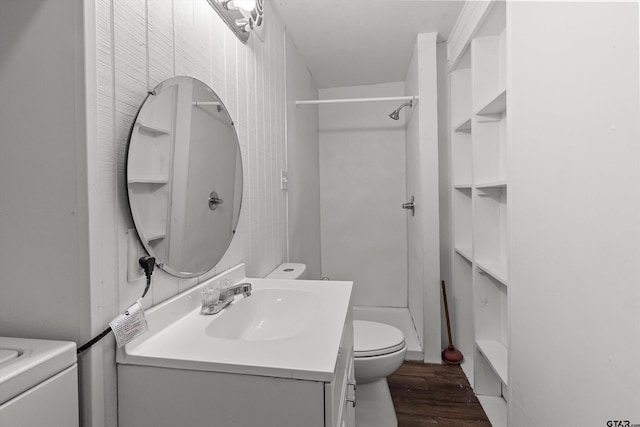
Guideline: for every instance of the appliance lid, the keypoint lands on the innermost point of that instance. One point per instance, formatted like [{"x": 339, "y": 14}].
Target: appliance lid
[
  {"x": 28, "y": 362},
  {"x": 375, "y": 339}
]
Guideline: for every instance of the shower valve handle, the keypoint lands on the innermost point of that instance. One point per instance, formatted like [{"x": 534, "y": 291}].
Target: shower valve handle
[{"x": 411, "y": 205}]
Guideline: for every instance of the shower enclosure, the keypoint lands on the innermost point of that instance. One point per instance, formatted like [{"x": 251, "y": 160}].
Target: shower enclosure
[{"x": 378, "y": 154}]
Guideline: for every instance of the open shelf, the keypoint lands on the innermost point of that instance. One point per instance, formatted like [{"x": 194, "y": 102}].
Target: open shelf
[
  {"x": 466, "y": 186},
  {"x": 465, "y": 253},
  {"x": 492, "y": 184},
  {"x": 464, "y": 126},
  {"x": 495, "y": 107},
  {"x": 496, "y": 409},
  {"x": 495, "y": 269},
  {"x": 496, "y": 354}
]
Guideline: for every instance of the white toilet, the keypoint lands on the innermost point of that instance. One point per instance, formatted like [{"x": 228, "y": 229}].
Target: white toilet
[{"x": 378, "y": 350}]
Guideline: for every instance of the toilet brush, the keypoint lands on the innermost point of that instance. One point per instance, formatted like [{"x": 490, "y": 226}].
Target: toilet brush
[{"x": 450, "y": 355}]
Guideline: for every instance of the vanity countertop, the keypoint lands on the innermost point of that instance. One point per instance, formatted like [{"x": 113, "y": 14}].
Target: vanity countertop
[{"x": 179, "y": 336}]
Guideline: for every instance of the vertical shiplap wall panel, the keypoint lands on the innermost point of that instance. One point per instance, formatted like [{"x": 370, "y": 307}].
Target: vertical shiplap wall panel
[
  {"x": 230, "y": 94},
  {"x": 160, "y": 39},
  {"x": 141, "y": 43},
  {"x": 129, "y": 90},
  {"x": 184, "y": 37},
  {"x": 202, "y": 16},
  {"x": 268, "y": 137},
  {"x": 218, "y": 31}
]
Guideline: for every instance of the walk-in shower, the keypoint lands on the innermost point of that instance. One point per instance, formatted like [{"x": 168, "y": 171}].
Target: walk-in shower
[
  {"x": 385, "y": 290},
  {"x": 395, "y": 115}
]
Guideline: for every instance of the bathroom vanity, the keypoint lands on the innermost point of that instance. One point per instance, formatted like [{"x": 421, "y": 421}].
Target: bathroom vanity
[{"x": 282, "y": 356}]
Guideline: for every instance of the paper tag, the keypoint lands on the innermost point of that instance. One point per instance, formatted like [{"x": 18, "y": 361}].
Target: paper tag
[{"x": 129, "y": 325}]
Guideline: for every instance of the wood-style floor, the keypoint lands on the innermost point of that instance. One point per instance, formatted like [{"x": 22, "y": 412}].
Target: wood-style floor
[{"x": 434, "y": 395}]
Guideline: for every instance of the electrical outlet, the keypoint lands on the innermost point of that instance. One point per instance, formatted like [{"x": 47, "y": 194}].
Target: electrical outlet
[{"x": 134, "y": 252}]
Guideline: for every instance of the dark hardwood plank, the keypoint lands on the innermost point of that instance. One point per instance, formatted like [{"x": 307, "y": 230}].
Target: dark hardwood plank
[{"x": 434, "y": 395}]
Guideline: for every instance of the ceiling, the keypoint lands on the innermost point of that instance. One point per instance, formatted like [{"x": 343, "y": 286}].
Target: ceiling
[{"x": 357, "y": 42}]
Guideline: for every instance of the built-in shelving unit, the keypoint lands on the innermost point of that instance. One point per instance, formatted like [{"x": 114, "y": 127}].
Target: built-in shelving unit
[{"x": 480, "y": 220}]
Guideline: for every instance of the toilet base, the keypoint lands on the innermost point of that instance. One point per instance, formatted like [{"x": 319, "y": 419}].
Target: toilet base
[{"x": 374, "y": 406}]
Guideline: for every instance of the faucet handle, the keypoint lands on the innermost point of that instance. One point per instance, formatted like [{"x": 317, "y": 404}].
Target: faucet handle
[{"x": 210, "y": 297}]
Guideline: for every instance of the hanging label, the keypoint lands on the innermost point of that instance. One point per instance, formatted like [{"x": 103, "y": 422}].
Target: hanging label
[{"x": 129, "y": 325}]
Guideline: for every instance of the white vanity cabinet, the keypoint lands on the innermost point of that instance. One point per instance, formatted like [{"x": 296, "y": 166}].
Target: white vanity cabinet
[
  {"x": 155, "y": 396},
  {"x": 178, "y": 374}
]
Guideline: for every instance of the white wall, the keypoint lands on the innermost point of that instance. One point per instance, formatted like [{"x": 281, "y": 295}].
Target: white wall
[
  {"x": 43, "y": 198},
  {"x": 73, "y": 75},
  {"x": 303, "y": 165},
  {"x": 362, "y": 188},
  {"x": 444, "y": 199},
  {"x": 415, "y": 262},
  {"x": 575, "y": 191},
  {"x": 422, "y": 181},
  {"x": 43, "y": 204}
]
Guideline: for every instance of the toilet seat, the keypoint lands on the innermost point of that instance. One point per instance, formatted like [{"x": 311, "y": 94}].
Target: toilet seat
[{"x": 376, "y": 339}]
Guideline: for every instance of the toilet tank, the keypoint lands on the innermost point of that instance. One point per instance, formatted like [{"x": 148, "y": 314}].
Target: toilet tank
[{"x": 289, "y": 271}]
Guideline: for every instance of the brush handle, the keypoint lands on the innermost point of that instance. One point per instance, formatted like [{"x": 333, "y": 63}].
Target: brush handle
[{"x": 446, "y": 312}]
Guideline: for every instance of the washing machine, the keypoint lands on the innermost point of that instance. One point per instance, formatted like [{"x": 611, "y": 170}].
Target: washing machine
[{"x": 38, "y": 383}]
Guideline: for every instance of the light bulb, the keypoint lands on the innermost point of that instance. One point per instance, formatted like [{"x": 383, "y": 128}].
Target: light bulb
[{"x": 246, "y": 5}]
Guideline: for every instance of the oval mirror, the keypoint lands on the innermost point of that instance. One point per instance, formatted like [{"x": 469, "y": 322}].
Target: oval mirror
[{"x": 184, "y": 176}]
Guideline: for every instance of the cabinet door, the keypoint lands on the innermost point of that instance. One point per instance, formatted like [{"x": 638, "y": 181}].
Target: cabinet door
[
  {"x": 338, "y": 391},
  {"x": 349, "y": 413}
]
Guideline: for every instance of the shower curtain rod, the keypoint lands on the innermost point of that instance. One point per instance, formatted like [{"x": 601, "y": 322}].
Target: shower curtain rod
[{"x": 347, "y": 100}]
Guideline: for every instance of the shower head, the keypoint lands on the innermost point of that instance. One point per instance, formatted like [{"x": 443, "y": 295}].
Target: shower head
[{"x": 395, "y": 115}]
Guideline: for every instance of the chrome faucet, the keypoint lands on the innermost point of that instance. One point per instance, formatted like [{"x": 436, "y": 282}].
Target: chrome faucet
[{"x": 215, "y": 300}]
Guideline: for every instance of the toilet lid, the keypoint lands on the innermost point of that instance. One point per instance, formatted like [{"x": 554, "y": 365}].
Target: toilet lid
[{"x": 375, "y": 339}]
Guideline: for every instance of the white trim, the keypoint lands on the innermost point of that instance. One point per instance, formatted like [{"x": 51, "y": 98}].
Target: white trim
[{"x": 469, "y": 21}]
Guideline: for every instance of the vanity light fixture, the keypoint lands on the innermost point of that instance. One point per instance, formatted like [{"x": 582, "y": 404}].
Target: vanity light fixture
[{"x": 243, "y": 17}]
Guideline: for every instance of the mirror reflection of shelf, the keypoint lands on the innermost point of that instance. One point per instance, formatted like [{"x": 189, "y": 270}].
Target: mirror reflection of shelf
[
  {"x": 157, "y": 181},
  {"x": 496, "y": 354},
  {"x": 155, "y": 236},
  {"x": 495, "y": 269},
  {"x": 153, "y": 129}
]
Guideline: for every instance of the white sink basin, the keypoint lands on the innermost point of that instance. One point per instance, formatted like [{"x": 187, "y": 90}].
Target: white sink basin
[
  {"x": 268, "y": 314},
  {"x": 284, "y": 329}
]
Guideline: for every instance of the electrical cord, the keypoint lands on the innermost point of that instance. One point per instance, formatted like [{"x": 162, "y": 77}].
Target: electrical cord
[{"x": 147, "y": 263}]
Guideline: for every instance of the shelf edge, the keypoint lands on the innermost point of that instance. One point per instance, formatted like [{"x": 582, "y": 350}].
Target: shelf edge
[
  {"x": 497, "y": 270},
  {"x": 497, "y": 355},
  {"x": 465, "y": 253}
]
